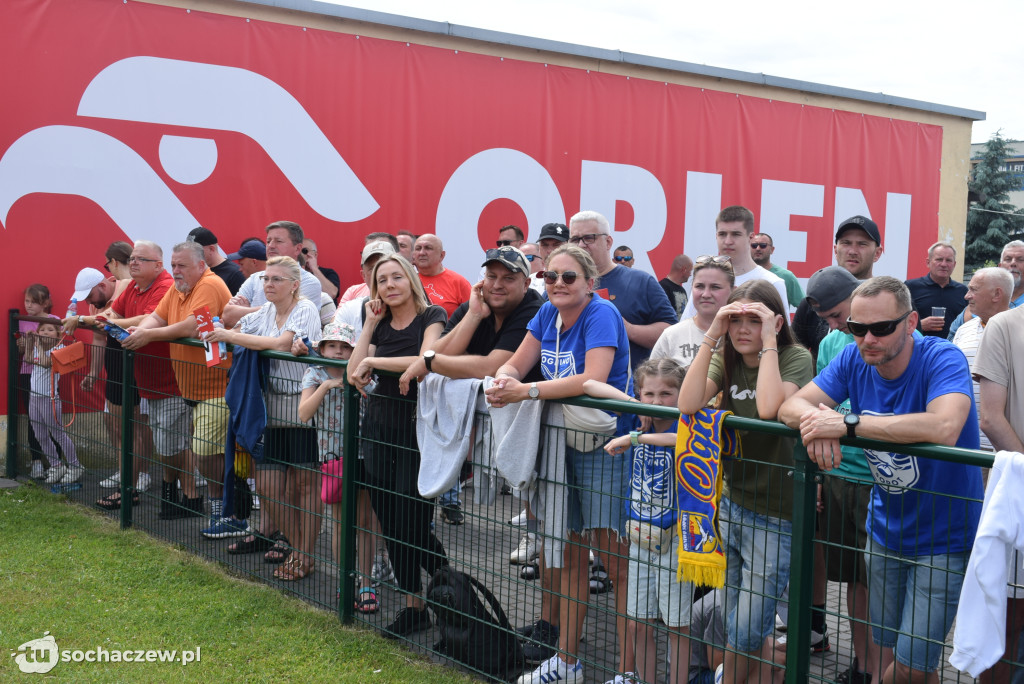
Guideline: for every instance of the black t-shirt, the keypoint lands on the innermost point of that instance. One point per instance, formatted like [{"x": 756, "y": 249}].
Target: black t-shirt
[
  {"x": 231, "y": 274},
  {"x": 405, "y": 342},
  {"x": 809, "y": 328},
  {"x": 676, "y": 294},
  {"x": 332, "y": 276},
  {"x": 486, "y": 339}
]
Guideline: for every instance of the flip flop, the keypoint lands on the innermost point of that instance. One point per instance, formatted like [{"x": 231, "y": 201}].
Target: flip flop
[
  {"x": 257, "y": 544},
  {"x": 113, "y": 501},
  {"x": 280, "y": 550}
]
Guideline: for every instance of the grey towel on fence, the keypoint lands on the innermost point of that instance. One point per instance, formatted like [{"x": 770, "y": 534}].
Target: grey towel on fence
[
  {"x": 549, "y": 494},
  {"x": 445, "y": 410}
]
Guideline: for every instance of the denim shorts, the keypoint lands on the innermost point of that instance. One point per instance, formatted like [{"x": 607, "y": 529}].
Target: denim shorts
[
  {"x": 599, "y": 487},
  {"x": 653, "y": 590},
  {"x": 757, "y": 552},
  {"x": 917, "y": 595}
]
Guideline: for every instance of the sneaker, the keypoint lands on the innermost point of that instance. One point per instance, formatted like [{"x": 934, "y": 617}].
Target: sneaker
[
  {"x": 382, "y": 571},
  {"x": 780, "y": 624},
  {"x": 38, "y": 472},
  {"x": 200, "y": 480},
  {"x": 452, "y": 514},
  {"x": 226, "y": 527},
  {"x": 408, "y": 621},
  {"x": 542, "y": 642},
  {"x": 527, "y": 551},
  {"x": 72, "y": 474},
  {"x": 520, "y": 520},
  {"x": 819, "y": 641},
  {"x": 554, "y": 669},
  {"x": 142, "y": 482},
  {"x": 625, "y": 678},
  {"x": 112, "y": 481},
  {"x": 719, "y": 673},
  {"x": 56, "y": 474}
]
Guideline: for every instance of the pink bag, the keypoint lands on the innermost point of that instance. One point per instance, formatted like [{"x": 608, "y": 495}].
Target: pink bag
[{"x": 330, "y": 483}]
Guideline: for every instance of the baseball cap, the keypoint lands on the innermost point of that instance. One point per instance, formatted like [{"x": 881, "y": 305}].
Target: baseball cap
[
  {"x": 253, "y": 249},
  {"x": 339, "y": 332},
  {"x": 830, "y": 286},
  {"x": 203, "y": 236},
  {"x": 510, "y": 257},
  {"x": 860, "y": 223},
  {"x": 381, "y": 247},
  {"x": 87, "y": 279},
  {"x": 556, "y": 231}
]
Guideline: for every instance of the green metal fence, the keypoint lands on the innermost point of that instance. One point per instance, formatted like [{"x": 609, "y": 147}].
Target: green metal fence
[{"x": 480, "y": 546}]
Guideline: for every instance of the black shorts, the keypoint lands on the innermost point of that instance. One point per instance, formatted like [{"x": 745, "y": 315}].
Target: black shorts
[
  {"x": 283, "y": 447},
  {"x": 113, "y": 364}
]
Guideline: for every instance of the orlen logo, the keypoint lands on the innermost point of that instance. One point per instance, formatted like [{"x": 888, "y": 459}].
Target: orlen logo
[
  {"x": 74, "y": 160},
  {"x": 38, "y": 656}
]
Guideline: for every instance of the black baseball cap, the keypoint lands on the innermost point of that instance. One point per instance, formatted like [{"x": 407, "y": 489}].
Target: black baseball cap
[
  {"x": 252, "y": 249},
  {"x": 555, "y": 231},
  {"x": 860, "y": 223},
  {"x": 203, "y": 236}
]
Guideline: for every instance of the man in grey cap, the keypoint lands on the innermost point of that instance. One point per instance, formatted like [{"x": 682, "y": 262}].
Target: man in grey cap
[{"x": 223, "y": 268}]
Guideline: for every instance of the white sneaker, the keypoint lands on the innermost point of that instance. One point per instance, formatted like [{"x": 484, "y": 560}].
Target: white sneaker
[
  {"x": 200, "y": 480},
  {"x": 527, "y": 551},
  {"x": 72, "y": 474},
  {"x": 519, "y": 520},
  {"x": 719, "y": 673},
  {"x": 255, "y": 502},
  {"x": 780, "y": 624},
  {"x": 112, "y": 481},
  {"x": 142, "y": 482},
  {"x": 56, "y": 474},
  {"x": 553, "y": 670},
  {"x": 627, "y": 678},
  {"x": 38, "y": 472}
]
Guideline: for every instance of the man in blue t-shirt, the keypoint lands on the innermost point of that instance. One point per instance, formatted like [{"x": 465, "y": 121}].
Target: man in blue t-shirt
[{"x": 923, "y": 513}]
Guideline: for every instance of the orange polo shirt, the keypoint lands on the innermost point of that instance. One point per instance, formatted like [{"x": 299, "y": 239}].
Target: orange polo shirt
[{"x": 195, "y": 380}]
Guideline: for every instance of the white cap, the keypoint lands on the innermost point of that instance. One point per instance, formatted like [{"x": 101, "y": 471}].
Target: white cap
[
  {"x": 380, "y": 247},
  {"x": 87, "y": 279}
]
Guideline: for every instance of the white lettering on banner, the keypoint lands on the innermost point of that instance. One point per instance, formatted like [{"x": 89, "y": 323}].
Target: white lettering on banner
[
  {"x": 896, "y": 238},
  {"x": 703, "y": 202},
  {"x": 498, "y": 173},
  {"x": 779, "y": 201},
  {"x": 602, "y": 183}
]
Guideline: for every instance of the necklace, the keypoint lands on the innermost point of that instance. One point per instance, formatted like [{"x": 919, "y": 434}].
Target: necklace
[{"x": 746, "y": 378}]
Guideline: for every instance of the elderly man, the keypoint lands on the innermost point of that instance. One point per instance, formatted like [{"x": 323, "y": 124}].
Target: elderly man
[
  {"x": 924, "y": 512},
  {"x": 201, "y": 409},
  {"x": 678, "y": 275},
  {"x": 443, "y": 286},
  {"x": 251, "y": 256},
  {"x": 938, "y": 298},
  {"x": 761, "y": 249},
  {"x": 1012, "y": 259},
  {"x": 284, "y": 238},
  {"x": 644, "y": 306},
  {"x": 511, "y": 236},
  {"x": 226, "y": 269},
  {"x": 330, "y": 283}
]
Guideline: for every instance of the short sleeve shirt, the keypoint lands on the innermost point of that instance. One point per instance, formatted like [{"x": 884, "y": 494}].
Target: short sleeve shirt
[
  {"x": 854, "y": 464},
  {"x": 1001, "y": 359},
  {"x": 303, "y": 321},
  {"x": 967, "y": 339},
  {"x": 680, "y": 342},
  {"x": 329, "y": 415},
  {"x": 408, "y": 341},
  {"x": 640, "y": 300},
  {"x": 154, "y": 374},
  {"x": 447, "y": 289},
  {"x": 252, "y": 288},
  {"x": 486, "y": 339},
  {"x": 652, "y": 484}
]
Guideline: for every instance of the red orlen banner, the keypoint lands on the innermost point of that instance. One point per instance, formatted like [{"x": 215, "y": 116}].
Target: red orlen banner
[{"x": 133, "y": 121}]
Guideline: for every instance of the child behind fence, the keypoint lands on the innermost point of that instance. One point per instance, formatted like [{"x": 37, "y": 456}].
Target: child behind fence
[{"x": 44, "y": 408}]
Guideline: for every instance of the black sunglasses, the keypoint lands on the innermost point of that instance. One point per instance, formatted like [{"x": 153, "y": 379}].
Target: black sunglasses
[
  {"x": 568, "y": 277},
  {"x": 623, "y": 258},
  {"x": 503, "y": 243},
  {"x": 878, "y": 328},
  {"x": 759, "y": 245}
]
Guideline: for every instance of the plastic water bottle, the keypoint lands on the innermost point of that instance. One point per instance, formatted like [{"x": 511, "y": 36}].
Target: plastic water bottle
[
  {"x": 72, "y": 308},
  {"x": 223, "y": 347},
  {"x": 119, "y": 335}
]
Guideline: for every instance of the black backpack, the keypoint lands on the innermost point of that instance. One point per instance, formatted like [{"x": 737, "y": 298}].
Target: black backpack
[{"x": 471, "y": 634}]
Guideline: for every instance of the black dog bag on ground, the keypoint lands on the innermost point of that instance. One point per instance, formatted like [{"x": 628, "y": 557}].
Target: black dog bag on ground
[{"x": 470, "y": 633}]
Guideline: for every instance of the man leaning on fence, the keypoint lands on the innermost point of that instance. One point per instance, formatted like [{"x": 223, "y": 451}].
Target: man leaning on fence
[{"x": 924, "y": 512}]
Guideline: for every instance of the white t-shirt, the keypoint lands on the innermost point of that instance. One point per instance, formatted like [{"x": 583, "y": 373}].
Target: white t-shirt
[
  {"x": 680, "y": 341},
  {"x": 968, "y": 338},
  {"x": 758, "y": 273}
]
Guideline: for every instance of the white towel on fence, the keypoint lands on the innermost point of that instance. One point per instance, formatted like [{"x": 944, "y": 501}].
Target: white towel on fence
[
  {"x": 445, "y": 411},
  {"x": 980, "y": 636}
]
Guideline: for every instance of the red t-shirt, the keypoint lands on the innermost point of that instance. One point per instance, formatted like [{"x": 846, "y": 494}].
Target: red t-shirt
[
  {"x": 447, "y": 289},
  {"x": 154, "y": 375}
]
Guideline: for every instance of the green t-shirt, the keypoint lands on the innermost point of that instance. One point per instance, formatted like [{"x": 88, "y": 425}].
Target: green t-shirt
[
  {"x": 855, "y": 464},
  {"x": 761, "y": 481},
  {"x": 794, "y": 293}
]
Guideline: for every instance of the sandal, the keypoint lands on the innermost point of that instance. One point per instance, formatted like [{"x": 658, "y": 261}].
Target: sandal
[
  {"x": 254, "y": 543},
  {"x": 113, "y": 502},
  {"x": 278, "y": 553},
  {"x": 370, "y": 604},
  {"x": 599, "y": 582},
  {"x": 294, "y": 569}
]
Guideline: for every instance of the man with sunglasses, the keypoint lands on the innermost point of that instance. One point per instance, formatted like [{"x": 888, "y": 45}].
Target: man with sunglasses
[
  {"x": 623, "y": 256},
  {"x": 924, "y": 513},
  {"x": 644, "y": 307},
  {"x": 761, "y": 249},
  {"x": 510, "y": 236}
]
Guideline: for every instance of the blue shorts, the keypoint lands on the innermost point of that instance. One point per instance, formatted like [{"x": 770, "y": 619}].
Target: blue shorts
[
  {"x": 598, "y": 489},
  {"x": 757, "y": 552},
  {"x": 916, "y": 595}
]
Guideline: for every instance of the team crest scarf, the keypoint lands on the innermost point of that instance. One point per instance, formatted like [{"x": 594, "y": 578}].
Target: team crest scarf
[{"x": 700, "y": 444}]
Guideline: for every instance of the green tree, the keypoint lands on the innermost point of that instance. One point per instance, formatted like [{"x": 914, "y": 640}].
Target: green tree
[{"x": 992, "y": 221}]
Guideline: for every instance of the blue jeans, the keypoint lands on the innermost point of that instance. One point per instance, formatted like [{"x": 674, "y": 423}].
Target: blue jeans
[
  {"x": 916, "y": 595},
  {"x": 757, "y": 552},
  {"x": 451, "y": 497}
]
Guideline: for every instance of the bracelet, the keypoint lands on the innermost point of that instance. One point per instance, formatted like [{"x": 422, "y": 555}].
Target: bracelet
[
  {"x": 766, "y": 349},
  {"x": 713, "y": 347}
]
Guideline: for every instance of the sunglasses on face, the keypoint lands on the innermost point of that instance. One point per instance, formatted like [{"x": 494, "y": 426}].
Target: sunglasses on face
[
  {"x": 878, "y": 328},
  {"x": 759, "y": 245},
  {"x": 568, "y": 277},
  {"x": 530, "y": 257},
  {"x": 503, "y": 243},
  {"x": 587, "y": 239},
  {"x": 623, "y": 258}
]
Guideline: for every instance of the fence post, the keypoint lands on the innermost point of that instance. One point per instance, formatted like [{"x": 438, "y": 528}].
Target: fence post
[
  {"x": 349, "y": 489},
  {"x": 798, "y": 645},
  {"x": 127, "y": 435},
  {"x": 13, "y": 370}
]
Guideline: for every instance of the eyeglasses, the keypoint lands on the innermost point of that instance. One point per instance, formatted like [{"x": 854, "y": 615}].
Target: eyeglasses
[
  {"x": 759, "y": 245},
  {"x": 568, "y": 277},
  {"x": 878, "y": 328},
  {"x": 587, "y": 239},
  {"x": 106, "y": 266},
  {"x": 503, "y": 243},
  {"x": 623, "y": 258},
  {"x": 140, "y": 260},
  {"x": 530, "y": 257},
  {"x": 276, "y": 280}
]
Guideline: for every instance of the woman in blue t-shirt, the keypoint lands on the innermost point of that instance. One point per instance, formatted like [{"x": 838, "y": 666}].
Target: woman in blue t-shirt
[{"x": 589, "y": 344}]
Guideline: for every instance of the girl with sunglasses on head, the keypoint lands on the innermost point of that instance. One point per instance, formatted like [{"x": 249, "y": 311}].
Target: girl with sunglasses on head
[
  {"x": 750, "y": 355},
  {"x": 713, "y": 280},
  {"x": 588, "y": 337}
]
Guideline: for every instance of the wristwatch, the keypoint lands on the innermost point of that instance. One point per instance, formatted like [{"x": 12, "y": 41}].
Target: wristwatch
[
  {"x": 534, "y": 391},
  {"x": 852, "y": 420},
  {"x": 428, "y": 359},
  {"x": 81, "y": 320},
  {"x": 634, "y": 437}
]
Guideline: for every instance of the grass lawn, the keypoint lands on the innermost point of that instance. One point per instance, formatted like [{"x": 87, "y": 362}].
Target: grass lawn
[{"x": 70, "y": 572}]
